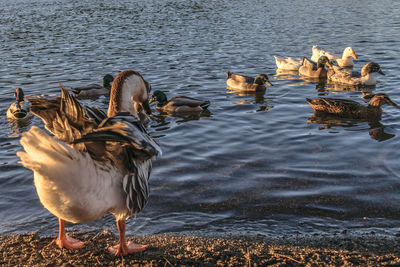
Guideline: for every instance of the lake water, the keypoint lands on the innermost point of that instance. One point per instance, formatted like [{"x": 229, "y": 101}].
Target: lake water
[{"x": 257, "y": 164}]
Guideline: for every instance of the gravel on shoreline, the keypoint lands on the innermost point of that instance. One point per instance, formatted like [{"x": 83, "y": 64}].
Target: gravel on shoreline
[{"x": 30, "y": 249}]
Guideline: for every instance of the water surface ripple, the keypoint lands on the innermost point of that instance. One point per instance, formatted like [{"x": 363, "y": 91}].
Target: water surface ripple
[{"x": 257, "y": 164}]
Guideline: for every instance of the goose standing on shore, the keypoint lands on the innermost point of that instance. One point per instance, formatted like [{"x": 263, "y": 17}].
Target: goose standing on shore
[{"x": 89, "y": 169}]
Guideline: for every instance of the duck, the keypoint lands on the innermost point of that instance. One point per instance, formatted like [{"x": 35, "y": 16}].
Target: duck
[
  {"x": 312, "y": 70},
  {"x": 178, "y": 104},
  {"x": 345, "y": 61},
  {"x": 365, "y": 78},
  {"x": 92, "y": 90},
  {"x": 288, "y": 63},
  {"x": 19, "y": 110},
  {"x": 351, "y": 109},
  {"x": 88, "y": 169},
  {"x": 247, "y": 83}
]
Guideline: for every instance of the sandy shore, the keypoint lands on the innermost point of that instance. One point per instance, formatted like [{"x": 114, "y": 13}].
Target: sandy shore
[{"x": 176, "y": 250}]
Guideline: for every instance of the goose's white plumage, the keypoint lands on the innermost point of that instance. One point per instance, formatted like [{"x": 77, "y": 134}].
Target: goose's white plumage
[
  {"x": 365, "y": 78},
  {"x": 89, "y": 168},
  {"x": 345, "y": 61},
  {"x": 288, "y": 63}
]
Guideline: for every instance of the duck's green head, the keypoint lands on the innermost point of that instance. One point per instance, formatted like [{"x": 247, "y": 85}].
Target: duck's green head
[
  {"x": 322, "y": 61},
  {"x": 19, "y": 94},
  {"x": 107, "y": 80},
  {"x": 371, "y": 67},
  {"x": 381, "y": 99},
  {"x": 262, "y": 79},
  {"x": 160, "y": 97}
]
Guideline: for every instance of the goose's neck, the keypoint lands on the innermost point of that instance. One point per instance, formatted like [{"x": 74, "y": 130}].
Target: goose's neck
[{"x": 120, "y": 101}]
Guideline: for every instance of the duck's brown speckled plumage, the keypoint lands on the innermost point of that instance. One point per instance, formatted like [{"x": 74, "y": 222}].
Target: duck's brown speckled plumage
[
  {"x": 246, "y": 83},
  {"x": 351, "y": 109}
]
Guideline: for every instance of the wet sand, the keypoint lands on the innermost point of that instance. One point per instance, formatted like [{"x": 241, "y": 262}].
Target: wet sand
[{"x": 30, "y": 249}]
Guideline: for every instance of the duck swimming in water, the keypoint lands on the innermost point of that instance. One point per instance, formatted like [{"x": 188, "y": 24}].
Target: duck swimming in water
[
  {"x": 89, "y": 169},
  {"x": 351, "y": 109},
  {"x": 92, "y": 90},
  {"x": 345, "y": 61},
  {"x": 246, "y": 83},
  {"x": 19, "y": 110},
  {"x": 312, "y": 70},
  {"x": 365, "y": 78},
  {"x": 178, "y": 104},
  {"x": 288, "y": 63}
]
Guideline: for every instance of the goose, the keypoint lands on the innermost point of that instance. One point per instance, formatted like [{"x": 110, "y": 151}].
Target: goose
[
  {"x": 351, "y": 109},
  {"x": 178, "y": 104},
  {"x": 89, "y": 169},
  {"x": 365, "y": 78},
  {"x": 309, "y": 69},
  {"x": 92, "y": 90},
  {"x": 345, "y": 61},
  {"x": 246, "y": 83},
  {"x": 19, "y": 110}
]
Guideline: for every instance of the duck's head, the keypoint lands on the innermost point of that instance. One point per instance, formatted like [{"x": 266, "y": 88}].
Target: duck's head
[
  {"x": 381, "y": 99},
  {"x": 262, "y": 79},
  {"x": 107, "y": 80},
  {"x": 19, "y": 95},
  {"x": 371, "y": 67},
  {"x": 349, "y": 52},
  {"x": 322, "y": 61},
  {"x": 158, "y": 96}
]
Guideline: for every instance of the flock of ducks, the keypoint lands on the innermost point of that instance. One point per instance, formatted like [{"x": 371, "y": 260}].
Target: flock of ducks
[
  {"x": 338, "y": 70},
  {"x": 97, "y": 163}
]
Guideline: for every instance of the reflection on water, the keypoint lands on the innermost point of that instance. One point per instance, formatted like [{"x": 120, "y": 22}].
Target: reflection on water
[
  {"x": 19, "y": 126},
  {"x": 328, "y": 122},
  {"x": 244, "y": 167}
]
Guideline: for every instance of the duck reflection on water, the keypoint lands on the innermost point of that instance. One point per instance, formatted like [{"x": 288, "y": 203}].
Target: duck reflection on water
[{"x": 347, "y": 113}]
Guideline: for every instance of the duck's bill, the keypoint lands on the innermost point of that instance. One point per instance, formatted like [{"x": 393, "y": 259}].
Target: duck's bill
[
  {"x": 354, "y": 55},
  {"x": 146, "y": 106},
  {"x": 329, "y": 64},
  {"x": 381, "y": 72},
  {"x": 268, "y": 83}
]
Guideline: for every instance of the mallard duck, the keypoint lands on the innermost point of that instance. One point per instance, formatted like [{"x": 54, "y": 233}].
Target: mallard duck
[
  {"x": 89, "y": 169},
  {"x": 365, "y": 78},
  {"x": 312, "y": 70},
  {"x": 345, "y": 61},
  {"x": 94, "y": 89},
  {"x": 288, "y": 63},
  {"x": 246, "y": 83},
  {"x": 351, "y": 109},
  {"x": 178, "y": 104},
  {"x": 19, "y": 110}
]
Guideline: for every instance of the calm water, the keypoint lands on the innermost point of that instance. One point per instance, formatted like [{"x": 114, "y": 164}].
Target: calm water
[{"x": 258, "y": 164}]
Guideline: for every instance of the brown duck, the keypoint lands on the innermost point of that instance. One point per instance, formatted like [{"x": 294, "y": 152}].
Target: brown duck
[
  {"x": 246, "y": 83},
  {"x": 351, "y": 109}
]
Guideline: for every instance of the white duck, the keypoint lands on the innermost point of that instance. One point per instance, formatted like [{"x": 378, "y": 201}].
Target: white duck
[
  {"x": 90, "y": 169},
  {"x": 365, "y": 78},
  {"x": 288, "y": 63},
  {"x": 19, "y": 110},
  {"x": 345, "y": 61}
]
